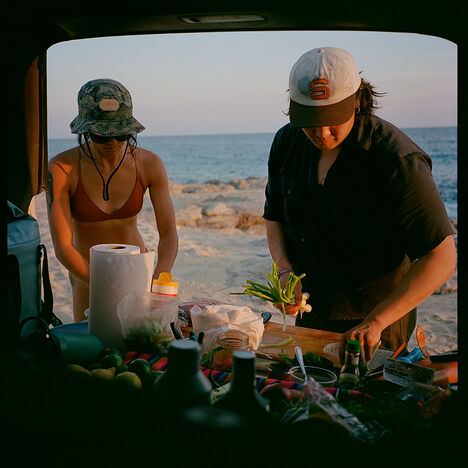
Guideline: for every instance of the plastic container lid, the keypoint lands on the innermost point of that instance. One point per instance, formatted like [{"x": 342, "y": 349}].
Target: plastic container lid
[
  {"x": 165, "y": 279},
  {"x": 353, "y": 346}
]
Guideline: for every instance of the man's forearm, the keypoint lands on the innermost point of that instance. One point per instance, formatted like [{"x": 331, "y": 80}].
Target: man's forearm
[
  {"x": 275, "y": 239},
  {"x": 422, "y": 279}
]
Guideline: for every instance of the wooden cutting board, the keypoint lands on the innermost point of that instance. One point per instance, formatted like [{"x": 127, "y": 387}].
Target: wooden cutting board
[{"x": 308, "y": 339}]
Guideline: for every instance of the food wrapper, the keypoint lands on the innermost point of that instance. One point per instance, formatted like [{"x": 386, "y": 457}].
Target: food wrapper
[
  {"x": 145, "y": 321},
  {"x": 219, "y": 318}
]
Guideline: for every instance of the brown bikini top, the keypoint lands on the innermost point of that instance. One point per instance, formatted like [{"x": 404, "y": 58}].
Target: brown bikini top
[{"x": 84, "y": 209}]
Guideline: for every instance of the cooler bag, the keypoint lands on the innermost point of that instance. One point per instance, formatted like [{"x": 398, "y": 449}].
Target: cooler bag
[{"x": 27, "y": 276}]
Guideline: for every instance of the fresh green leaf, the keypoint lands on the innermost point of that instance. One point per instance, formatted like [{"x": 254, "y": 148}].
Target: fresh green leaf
[{"x": 273, "y": 292}]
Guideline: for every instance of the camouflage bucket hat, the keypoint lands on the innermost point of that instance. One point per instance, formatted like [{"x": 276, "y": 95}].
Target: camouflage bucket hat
[{"x": 105, "y": 107}]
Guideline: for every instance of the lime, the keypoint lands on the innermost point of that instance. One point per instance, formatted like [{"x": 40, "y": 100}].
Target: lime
[
  {"x": 129, "y": 378},
  {"x": 110, "y": 350},
  {"x": 141, "y": 367},
  {"x": 94, "y": 365},
  {"x": 112, "y": 360}
]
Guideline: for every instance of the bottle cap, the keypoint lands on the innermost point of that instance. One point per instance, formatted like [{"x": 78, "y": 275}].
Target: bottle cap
[
  {"x": 244, "y": 361},
  {"x": 184, "y": 355},
  {"x": 165, "y": 279},
  {"x": 353, "y": 346}
]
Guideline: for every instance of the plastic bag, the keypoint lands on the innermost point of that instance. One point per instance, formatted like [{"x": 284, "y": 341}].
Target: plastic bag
[
  {"x": 218, "y": 318},
  {"x": 145, "y": 321}
]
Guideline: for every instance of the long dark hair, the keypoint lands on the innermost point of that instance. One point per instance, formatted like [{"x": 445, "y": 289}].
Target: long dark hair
[
  {"x": 367, "y": 96},
  {"x": 83, "y": 142}
]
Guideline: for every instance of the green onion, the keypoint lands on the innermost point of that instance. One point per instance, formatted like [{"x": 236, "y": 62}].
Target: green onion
[
  {"x": 273, "y": 292},
  {"x": 271, "y": 345}
]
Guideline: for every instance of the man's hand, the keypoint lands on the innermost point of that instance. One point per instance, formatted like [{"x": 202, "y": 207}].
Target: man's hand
[
  {"x": 291, "y": 309},
  {"x": 368, "y": 334}
]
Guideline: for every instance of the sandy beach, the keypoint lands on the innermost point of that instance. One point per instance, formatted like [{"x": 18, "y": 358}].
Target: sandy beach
[{"x": 222, "y": 244}]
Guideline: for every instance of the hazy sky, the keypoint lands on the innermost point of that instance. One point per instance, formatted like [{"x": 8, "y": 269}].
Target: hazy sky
[{"x": 236, "y": 82}]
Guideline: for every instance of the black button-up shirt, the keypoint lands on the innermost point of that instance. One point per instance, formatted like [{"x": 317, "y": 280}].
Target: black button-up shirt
[{"x": 378, "y": 205}]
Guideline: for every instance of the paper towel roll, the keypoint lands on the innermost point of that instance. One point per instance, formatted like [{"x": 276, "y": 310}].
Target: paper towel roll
[{"x": 115, "y": 270}]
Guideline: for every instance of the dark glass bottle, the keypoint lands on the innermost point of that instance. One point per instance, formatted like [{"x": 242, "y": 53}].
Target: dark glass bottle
[
  {"x": 242, "y": 396},
  {"x": 349, "y": 373},
  {"x": 183, "y": 384}
]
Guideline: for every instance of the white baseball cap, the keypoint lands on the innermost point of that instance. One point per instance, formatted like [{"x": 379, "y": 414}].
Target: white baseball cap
[{"x": 322, "y": 86}]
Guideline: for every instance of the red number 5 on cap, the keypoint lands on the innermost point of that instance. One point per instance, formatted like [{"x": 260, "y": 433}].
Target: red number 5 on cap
[{"x": 318, "y": 89}]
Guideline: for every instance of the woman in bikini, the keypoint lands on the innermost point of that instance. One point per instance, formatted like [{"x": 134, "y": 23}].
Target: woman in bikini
[{"x": 95, "y": 190}]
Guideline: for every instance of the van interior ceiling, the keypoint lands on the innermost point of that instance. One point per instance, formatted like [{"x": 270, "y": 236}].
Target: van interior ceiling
[{"x": 32, "y": 27}]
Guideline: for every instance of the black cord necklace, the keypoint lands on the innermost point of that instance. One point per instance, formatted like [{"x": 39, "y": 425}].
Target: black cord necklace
[{"x": 105, "y": 185}]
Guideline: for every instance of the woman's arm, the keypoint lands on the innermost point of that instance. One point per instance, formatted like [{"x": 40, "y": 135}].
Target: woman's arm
[
  {"x": 275, "y": 239},
  {"x": 165, "y": 215},
  {"x": 422, "y": 279},
  {"x": 60, "y": 221}
]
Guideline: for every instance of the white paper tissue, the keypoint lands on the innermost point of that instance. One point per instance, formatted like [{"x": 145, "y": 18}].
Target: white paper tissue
[
  {"x": 115, "y": 270},
  {"x": 218, "y": 318}
]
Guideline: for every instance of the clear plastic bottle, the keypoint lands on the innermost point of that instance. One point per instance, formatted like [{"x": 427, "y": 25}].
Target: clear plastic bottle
[
  {"x": 230, "y": 341},
  {"x": 349, "y": 373}
]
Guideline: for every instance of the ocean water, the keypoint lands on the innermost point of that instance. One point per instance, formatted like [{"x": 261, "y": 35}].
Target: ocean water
[{"x": 200, "y": 158}]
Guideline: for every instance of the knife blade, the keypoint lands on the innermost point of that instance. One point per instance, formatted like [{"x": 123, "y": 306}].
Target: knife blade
[{"x": 398, "y": 350}]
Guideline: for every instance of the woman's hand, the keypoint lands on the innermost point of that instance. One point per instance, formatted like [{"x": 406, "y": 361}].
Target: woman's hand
[{"x": 368, "y": 334}]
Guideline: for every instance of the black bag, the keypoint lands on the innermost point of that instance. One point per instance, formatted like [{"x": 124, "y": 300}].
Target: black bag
[{"x": 30, "y": 299}]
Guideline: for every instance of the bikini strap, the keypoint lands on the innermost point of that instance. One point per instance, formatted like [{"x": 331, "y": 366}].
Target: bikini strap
[
  {"x": 134, "y": 159},
  {"x": 136, "y": 168}
]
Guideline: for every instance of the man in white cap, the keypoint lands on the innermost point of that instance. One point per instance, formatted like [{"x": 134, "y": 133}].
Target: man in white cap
[{"x": 351, "y": 202}]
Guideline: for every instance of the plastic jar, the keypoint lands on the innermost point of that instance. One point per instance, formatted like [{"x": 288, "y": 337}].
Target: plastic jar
[
  {"x": 230, "y": 341},
  {"x": 164, "y": 285}
]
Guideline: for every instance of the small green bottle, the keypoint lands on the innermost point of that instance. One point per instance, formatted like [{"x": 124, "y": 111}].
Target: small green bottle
[{"x": 349, "y": 373}]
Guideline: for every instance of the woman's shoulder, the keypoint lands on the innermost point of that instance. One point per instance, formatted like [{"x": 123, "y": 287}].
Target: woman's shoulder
[
  {"x": 66, "y": 160},
  {"x": 147, "y": 156},
  {"x": 148, "y": 161},
  {"x": 150, "y": 166}
]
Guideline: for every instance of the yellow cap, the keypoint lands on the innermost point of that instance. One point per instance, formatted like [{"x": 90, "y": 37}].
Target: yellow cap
[{"x": 164, "y": 279}]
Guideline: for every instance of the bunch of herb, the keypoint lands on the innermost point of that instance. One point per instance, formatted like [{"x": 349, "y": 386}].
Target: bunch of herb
[
  {"x": 149, "y": 337},
  {"x": 273, "y": 292}
]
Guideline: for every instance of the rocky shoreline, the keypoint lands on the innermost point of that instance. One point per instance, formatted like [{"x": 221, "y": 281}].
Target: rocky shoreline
[
  {"x": 222, "y": 243},
  {"x": 238, "y": 204}
]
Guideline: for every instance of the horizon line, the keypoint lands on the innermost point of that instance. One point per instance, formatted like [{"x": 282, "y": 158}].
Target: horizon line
[{"x": 73, "y": 136}]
